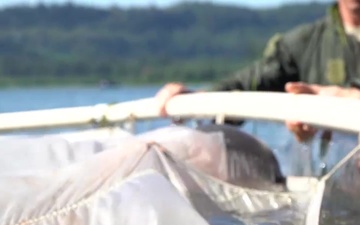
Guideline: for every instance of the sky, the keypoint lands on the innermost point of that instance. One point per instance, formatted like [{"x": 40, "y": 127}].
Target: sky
[{"x": 160, "y": 3}]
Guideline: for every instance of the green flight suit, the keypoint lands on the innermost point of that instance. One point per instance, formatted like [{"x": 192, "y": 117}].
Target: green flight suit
[{"x": 317, "y": 53}]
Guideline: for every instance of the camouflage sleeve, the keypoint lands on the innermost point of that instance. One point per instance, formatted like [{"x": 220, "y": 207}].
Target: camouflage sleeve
[{"x": 271, "y": 73}]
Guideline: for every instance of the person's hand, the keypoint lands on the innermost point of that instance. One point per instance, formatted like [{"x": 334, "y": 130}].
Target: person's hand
[
  {"x": 166, "y": 93},
  {"x": 302, "y": 132},
  {"x": 301, "y": 88},
  {"x": 332, "y": 90},
  {"x": 305, "y": 132}
]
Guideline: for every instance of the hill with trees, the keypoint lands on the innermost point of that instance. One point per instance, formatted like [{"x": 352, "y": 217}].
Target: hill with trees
[{"x": 194, "y": 42}]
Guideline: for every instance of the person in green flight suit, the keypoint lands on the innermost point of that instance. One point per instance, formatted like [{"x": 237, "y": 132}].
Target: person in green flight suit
[{"x": 325, "y": 52}]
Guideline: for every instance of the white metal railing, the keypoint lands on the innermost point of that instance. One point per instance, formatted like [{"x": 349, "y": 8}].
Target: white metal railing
[{"x": 330, "y": 112}]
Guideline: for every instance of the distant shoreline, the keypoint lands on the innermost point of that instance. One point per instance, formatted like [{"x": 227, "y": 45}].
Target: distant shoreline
[{"x": 21, "y": 85}]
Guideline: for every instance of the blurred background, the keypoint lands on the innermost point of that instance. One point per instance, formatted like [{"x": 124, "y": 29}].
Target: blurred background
[{"x": 138, "y": 42}]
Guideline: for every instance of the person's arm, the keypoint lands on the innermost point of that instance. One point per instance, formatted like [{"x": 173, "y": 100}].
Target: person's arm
[
  {"x": 277, "y": 67},
  {"x": 304, "y": 132},
  {"x": 272, "y": 72}
]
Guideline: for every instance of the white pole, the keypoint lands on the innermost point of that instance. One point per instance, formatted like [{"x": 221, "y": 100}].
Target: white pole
[{"x": 330, "y": 112}]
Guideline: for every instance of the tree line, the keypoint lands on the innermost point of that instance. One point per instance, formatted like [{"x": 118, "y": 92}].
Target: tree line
[{"x": 190, "y": 42}]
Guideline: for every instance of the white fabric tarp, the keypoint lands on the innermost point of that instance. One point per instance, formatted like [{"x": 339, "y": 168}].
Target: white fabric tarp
[{"x": 169, "y": 176}]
